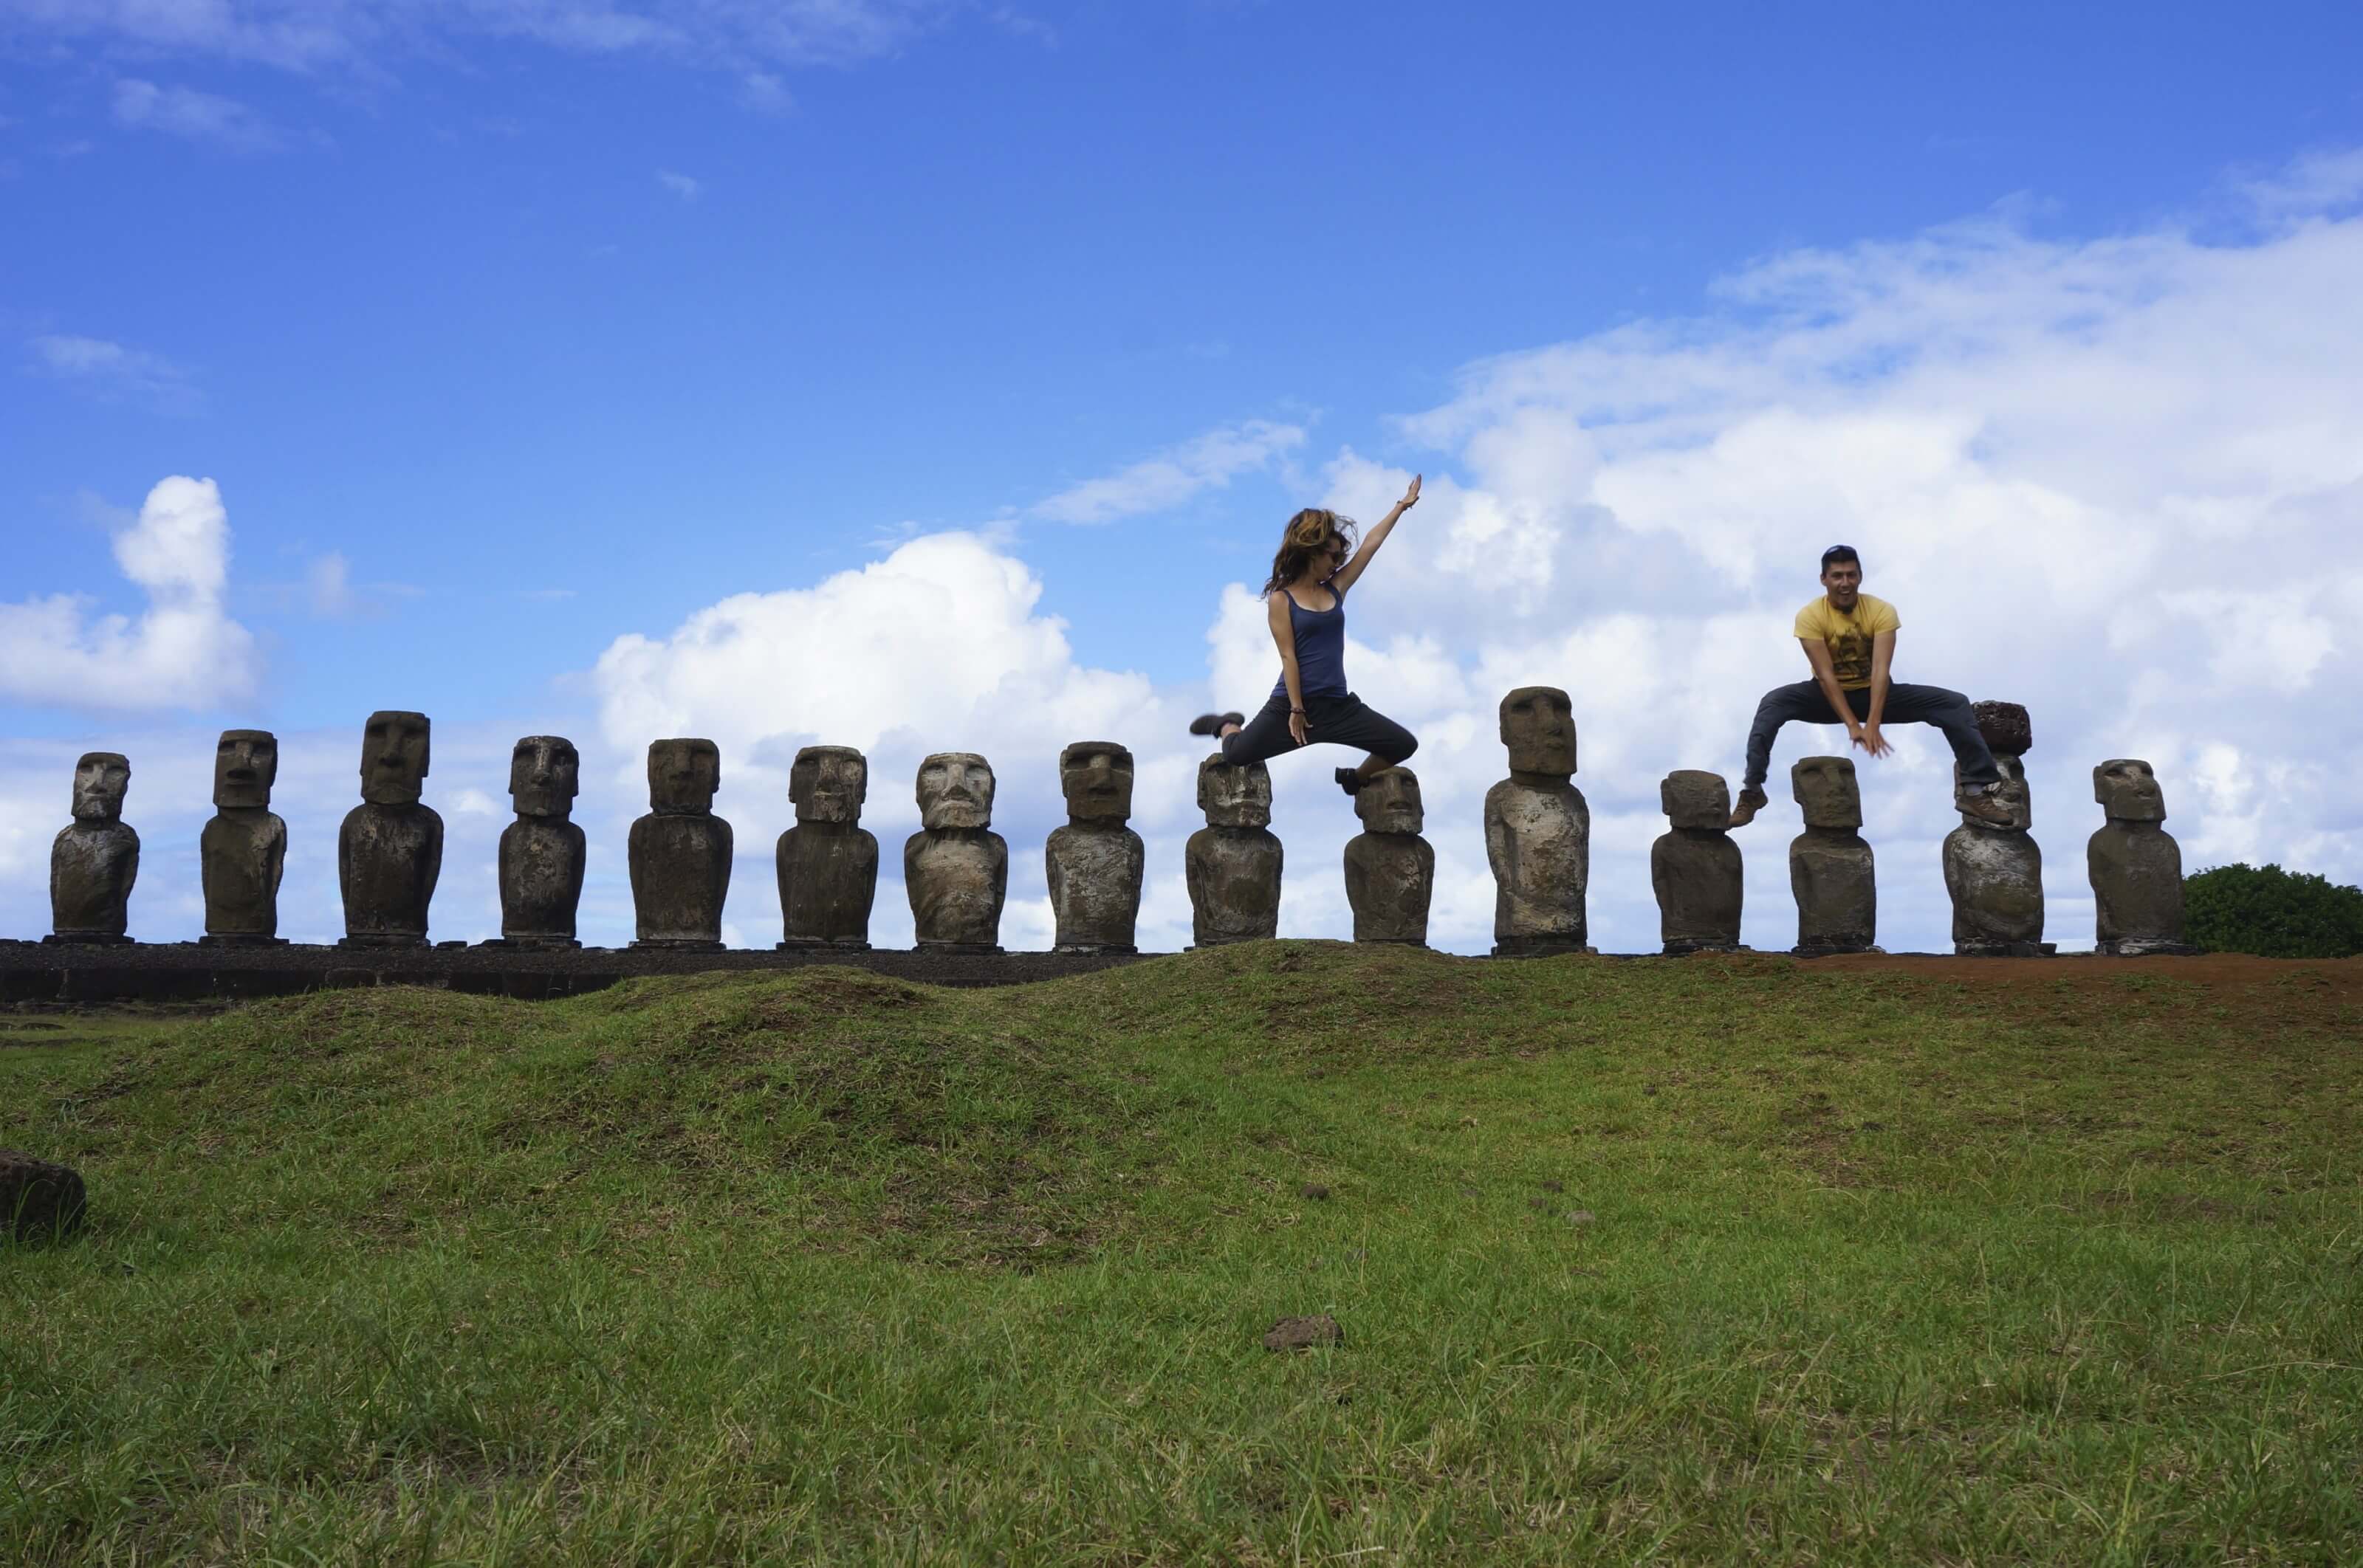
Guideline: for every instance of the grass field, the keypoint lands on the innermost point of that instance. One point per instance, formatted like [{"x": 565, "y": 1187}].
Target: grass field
[{"x": 1689, "y": 1261}]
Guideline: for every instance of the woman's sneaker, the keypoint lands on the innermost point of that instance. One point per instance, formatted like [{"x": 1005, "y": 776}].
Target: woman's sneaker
[
  {"x": 1212, "y": 723},
  {"x": 1351, "y": 780}
]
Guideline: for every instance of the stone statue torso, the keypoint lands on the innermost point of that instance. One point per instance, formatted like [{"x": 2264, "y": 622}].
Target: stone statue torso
[
  {"x": 92, "y": 868},
  {"x": 1996, "y": 881},
  {"x": 241, "y": 854},
  {"x": 1834, "y": 877},
  {"x": 680, "y": 865},
  {"x": 542, "y": 878},
  {"x": 1094, "y": 872},
  {"x": 1234, "y": 876},
  {"x": 388, "y": 858},
  {"x": 1390, "y": 880},
  {"x": 1700, "y": 880},
  {"x": 828, "y": 880},
  {"x": 2137, "y": 872},
  {"x": 1539, "y": 837},
  {"x": 957, "y": 878}
]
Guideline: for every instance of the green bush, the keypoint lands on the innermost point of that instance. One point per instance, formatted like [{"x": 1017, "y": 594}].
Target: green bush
[{"x": 2272, "y": 913}]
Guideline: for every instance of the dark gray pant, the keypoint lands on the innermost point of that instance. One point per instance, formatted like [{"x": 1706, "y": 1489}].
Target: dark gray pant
[
  {"x": 1906, "y": 704},
  {"x": 1338, "y": 719}
]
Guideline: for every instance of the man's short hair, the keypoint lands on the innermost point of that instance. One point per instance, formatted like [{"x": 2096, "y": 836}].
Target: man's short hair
[{"x": 1841, "y": 553}]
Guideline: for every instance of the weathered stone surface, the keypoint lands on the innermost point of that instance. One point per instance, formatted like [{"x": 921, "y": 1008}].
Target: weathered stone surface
[
  {"x": 1233, "y": 863},
  {"x": 1830, "y": 867},
  {"x": 1094, "y": 864},
  {"x": 828, "y": 862},
  {"x": 679, "y": 852},
  {"x": 955, "y": 868},
  {"x": 1539, "y": 830},
  {"x": 2135, "y": 865},
  {"x": 242, "y": 852},
  {"x": 390, "y": 849},
  {"x": 1389, "y": 870},
  {"x": 38, "y": 1199},
  {"x": 2006, "y": 727},
  {"x": 94, "y": 859},
  {"x": 543, "y": 852},
  {"x": 1995, "y": 872},
  {"x": 1304, "y": 1333},
  {"x": 1695, "y": 868}
]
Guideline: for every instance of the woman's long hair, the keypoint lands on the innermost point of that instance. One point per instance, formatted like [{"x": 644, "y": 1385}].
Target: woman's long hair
[{"x": 1306, "y": 533}]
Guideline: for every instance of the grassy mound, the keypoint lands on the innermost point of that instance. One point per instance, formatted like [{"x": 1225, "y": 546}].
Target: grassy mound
[{"x": 1712, "y": 1259}]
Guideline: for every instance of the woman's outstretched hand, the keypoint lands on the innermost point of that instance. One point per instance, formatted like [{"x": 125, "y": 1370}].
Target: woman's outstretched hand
[{"x": 1411, "y": 496}]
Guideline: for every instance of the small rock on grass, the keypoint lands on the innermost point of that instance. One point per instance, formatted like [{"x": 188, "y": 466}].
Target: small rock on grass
[
  {"x": 1304, "y": 1333},
  {"x": 1315, "y": 1191},
  {"x": 1578, "y": 1216},
  {"x": 38, "y": 1199}
]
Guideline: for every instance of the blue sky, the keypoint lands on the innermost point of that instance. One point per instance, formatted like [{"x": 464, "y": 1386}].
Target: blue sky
[{"x": 509, "y": 330}]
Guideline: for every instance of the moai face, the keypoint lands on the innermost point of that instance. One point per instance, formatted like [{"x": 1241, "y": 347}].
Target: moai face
[
  {"x": 955, "y": 790},
  {"x": 545, "y": 772},
  {"x": 2128, "y": 791},
  {"x": 2012, "y": 795},
  {"x": 1825, "y": 788},
  {"x": 246, "y": 763},
  {"x": 1538, "y": 726},
  {"x": 684, "y": 773},
  {"x": 1097, "y": 776},
  {"x": 393, "y": 758},
  {"x": 1696, "y": 799},
  {"x": 1235, "y": 797},
  {"x": 1389, "y": 801},
  {"x": 828, "y": 783},
  {"x": 100, "y": 780}
]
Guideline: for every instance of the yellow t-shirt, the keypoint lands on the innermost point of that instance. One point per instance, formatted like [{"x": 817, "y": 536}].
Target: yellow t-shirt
[{"x": 1848, "y": 635}]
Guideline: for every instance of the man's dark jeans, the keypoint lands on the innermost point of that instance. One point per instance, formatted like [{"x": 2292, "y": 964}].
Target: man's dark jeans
[{"x": 1906, "y": 704}]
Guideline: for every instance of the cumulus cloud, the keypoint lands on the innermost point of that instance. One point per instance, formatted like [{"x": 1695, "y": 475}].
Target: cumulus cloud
[
  {"x": 111, "y": 370},
  {"x": 183, "y": 652},
  {"x": 196, "y": 117},
  {"x": 1166, "y": 480}
]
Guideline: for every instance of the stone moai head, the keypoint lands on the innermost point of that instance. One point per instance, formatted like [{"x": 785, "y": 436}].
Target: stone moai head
[
  {"x": 1538, "y": 726},
  {"x": 1696, "y": 799},
  {"x": 684, "y": 773},
  {"x": 100, "y": 780},
  {"x": 246, "y": 763},
  {"x": 393, "y": 758},
  {"x": 1096, "y": 777},
  {"x": 1235, "y": 797},
  {"x": 545, "y": 772},
  {"x": 1388, "y": 801},
  {"x": 828, "y": 783},
  {"x": 955, "y": 790},
  {"x": 1825, "y": 788},
  {"x": 2127, "y": 791}
]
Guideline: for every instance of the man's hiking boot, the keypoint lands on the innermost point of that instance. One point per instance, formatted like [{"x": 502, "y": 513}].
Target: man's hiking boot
[
  {"x": 1751, "y": 800},
  {"x": 1212, "y": 723},
  {"x": 1983, "y": 804}
]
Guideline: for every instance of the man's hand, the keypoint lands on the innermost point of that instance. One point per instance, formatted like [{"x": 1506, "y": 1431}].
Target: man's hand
[{"x": 1870, "y": 740}]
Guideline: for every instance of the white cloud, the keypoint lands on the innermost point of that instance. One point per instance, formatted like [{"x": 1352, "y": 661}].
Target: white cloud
[
  {"x": 681, "y": 185},
  {"x": 328, "y": 584},
  {"x": 111, "y": 370},
  {"x": 198, "y": 116},
  {"x": 1166, "y": 480},
  {"x": 183, "y": 652}
]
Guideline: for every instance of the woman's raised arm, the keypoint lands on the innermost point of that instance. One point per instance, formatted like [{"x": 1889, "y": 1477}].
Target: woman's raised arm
[{"x": 1352, "y": 571}]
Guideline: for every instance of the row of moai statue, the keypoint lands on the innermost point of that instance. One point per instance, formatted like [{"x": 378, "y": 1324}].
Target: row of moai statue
[{"x": 956, "y": 870}]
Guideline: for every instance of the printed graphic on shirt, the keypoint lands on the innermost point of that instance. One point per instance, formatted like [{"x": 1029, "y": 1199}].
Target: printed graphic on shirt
[{"x": 1848, "y": 635}]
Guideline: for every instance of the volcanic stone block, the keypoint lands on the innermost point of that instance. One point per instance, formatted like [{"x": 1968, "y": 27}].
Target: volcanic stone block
[
  {"x": 1094, "y": 864},
  {"x": 94, "y": 859},
  {"x": 1539, "y": 830},
  {"x": 543, "y": 852},
  {"x": 242, "y": 852},
  {"x": 390, "y": 849},
  {"x": 1694, "y": 867},
  {"x": 955, "y": 868},
  {"x": 1830, "y": 867},
  {"x": 2007, "y": 729},
  {"x": 828, "y": 862},
  {"x": 2135, "y": 865},
  {"x": 1233, "y": 863},
  {"x": 1995, "y": 872},
  {"x": 1390, "y": 869},
  {"x": 679, "y": 852},
  {"x": 38, "y": 1200}
]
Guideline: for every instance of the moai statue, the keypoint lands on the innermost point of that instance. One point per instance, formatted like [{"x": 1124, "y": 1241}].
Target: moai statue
[
  {"x": 1095, "y": 863},
  {"x": 242, "y": 852},
  {"x": 542, "y": 852},
  {"x": 1695, "y": 867},
  {"x": 95, "y": 859},
  {"x": 1539, "y": 830},
  {"x": 828, "y": 862},
  {"x": 1233, "y": 863},
  {"x": 2136, "y": 866},
  {"x": 680, "y": 853},
  {"x": 390, "y": 850},
  {"x": 1389, "y": 870},
  {"x": 956, "y": 868},
  {"x": 1994, "y": 871},
  {"x": 1829, "y": 865}
]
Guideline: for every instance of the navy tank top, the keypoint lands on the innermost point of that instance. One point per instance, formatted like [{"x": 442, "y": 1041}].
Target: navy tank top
[{"x": 1320, "y": 647}]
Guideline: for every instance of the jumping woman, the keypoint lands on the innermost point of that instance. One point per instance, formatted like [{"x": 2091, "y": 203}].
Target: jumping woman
[{"x": 1307, "y": 601}]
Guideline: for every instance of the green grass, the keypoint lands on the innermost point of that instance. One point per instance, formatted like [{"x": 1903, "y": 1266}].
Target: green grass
[{"x": 1701, "y": 1261}]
